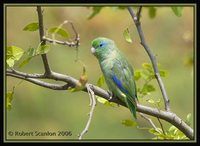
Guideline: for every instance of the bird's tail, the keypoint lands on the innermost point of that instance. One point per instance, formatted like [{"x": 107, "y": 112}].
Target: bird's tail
[{"x": 132, "y": 107}]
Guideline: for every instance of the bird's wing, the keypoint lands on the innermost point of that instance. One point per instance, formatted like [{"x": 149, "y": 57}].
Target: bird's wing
[{"x": 122, "y": 76}]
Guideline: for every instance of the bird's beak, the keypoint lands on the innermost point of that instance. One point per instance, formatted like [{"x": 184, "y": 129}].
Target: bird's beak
[{"x": 93, "y": 50}]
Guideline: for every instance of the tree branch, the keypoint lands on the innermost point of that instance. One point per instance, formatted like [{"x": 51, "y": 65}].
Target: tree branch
[
  {"x": 26, "y": 75},
  {"x": 41, "y": 83},
  {"x": 136, "y": 19},
  {"x": 71, "y": 82},
  {"x": 41, "y": 31},
  {"x": 92, "y": 104}
]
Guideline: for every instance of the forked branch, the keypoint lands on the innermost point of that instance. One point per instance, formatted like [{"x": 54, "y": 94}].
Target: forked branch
[{"x": 136, "y": 19}]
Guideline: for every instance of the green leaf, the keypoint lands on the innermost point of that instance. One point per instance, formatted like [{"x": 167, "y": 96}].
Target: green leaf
[
  {"x": 158, "y": 102},
  {"x": 31, "y": 27},
  {"x": 184, "y": 137},
  {"x": 175, "y": 133},
  {"x": 59, "y": 31},
  {"x": 42, "y": 49},
  {"x": 151, "y": 101},
  {"x": 165, "y": 136},
  {"x": 172, "y": 133},
  {"x": 24, "y": 62},
  {"x": 105, "y": 102},
  {"x": 156, "y": 131},
  {"x": 112, "y": 104},
  {"x": 163, "y": 73},
  {"x": 101, "y": 81},
  {"x": 152, "y": 12},
  {"x": 31, "y": 52},
  {"x": 137, "y": 74},
  {"x": 9, "y": 98},
  {"x": 148, "y": 67},
  {"x": 129, "y": 123},
  {"x": 178, "y": 11},
  {"x": 148, "y": 88},
  {"x": 13, "y": 54},
  {"x": 189, "y": 119},
  {"x": 10, "y": 62},
  {"x": 95, "y": 11},
  {"x": 127, "y": 36},
  {"x": 172, "y": 129},
  {"x": 101, "y": 100},
  {"x": 155, "y": 138}
]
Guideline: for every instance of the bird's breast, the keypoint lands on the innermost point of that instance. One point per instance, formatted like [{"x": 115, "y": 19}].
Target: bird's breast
[{"x": 107, "y": 63}]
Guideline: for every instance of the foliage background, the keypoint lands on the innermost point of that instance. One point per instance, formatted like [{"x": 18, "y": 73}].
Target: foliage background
[{"x": 36, "y": 108}]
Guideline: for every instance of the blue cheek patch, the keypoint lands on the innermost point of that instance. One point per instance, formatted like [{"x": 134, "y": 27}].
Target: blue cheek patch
[{"x": 119, "y": 84}]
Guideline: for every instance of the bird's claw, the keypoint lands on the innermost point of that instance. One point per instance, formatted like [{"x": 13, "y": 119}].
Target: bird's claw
[{"x": 110, "y": 95}]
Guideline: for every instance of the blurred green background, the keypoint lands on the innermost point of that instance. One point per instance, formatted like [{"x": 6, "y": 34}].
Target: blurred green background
[{"x": 36, "y": 108}]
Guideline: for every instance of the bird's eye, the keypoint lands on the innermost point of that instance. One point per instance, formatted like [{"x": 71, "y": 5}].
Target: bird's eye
[{"x": 101, "y": 45}]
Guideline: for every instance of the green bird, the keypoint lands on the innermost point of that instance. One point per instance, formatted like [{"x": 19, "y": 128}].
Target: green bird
[{"x": 118, "y": 73}]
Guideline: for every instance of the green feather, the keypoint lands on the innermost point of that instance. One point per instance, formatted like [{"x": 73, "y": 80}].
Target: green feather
[{"x": 132, "y": 107}]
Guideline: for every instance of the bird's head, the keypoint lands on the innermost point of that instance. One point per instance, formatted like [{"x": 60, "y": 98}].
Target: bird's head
[{"x": 102, "y": 47}]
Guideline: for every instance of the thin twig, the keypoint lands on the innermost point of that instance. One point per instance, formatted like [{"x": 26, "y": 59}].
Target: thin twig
[
  {"x": 70, "y": 44},
  {"x": 74, "y": 43},
  {"x": 41, "y": 32},
  {"x": 93, "y": 104},
  {"x": 149, "y": 120},
  {"x": 90, "y": 95},
  {"x": 77, "y": 37},
  {"x": 139, "y": 13},
  {"x": 161, "y": 125},
  {"x": 152, "y": 57}
]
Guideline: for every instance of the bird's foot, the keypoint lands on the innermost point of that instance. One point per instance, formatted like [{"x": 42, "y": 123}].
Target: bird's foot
[{"x": 110, "y": 95}]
